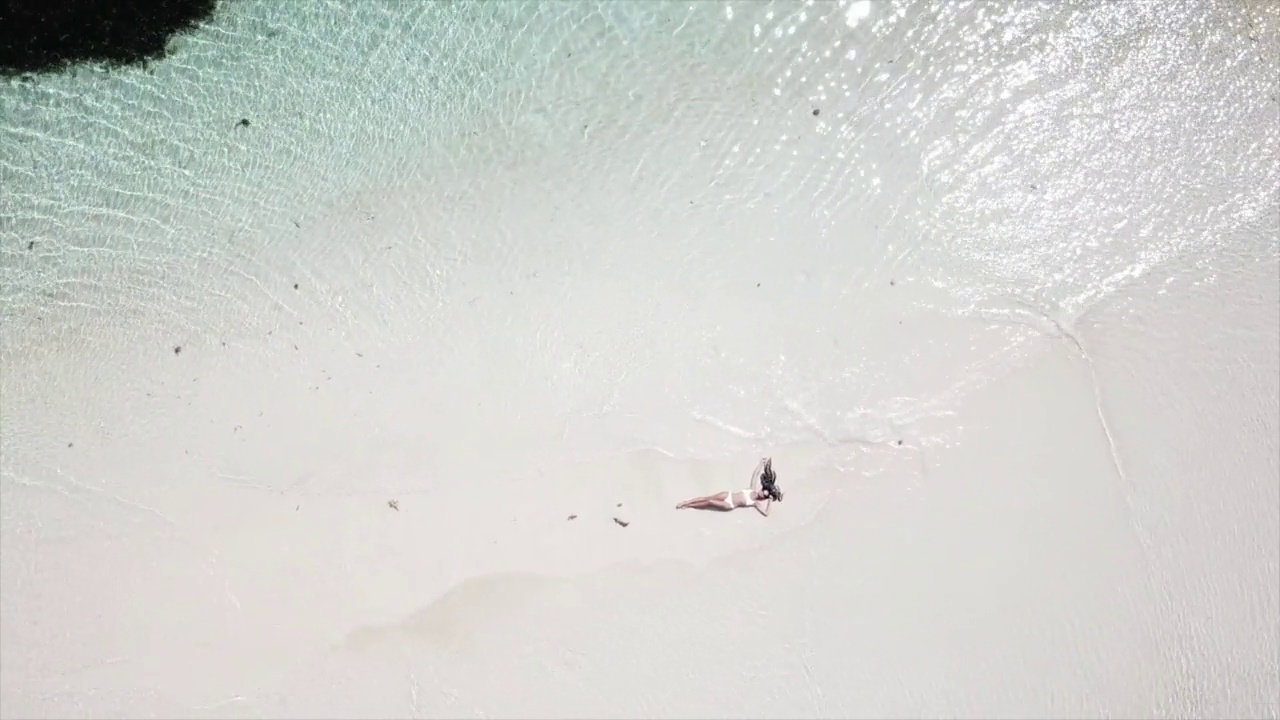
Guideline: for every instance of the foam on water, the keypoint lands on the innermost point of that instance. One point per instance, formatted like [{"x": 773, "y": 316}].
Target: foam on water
[{"x": 759, "y": 222}]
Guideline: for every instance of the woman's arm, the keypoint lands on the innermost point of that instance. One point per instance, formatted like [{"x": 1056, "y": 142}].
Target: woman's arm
[
  {"x": 755, "y": 474},
  {"x": 763, "y": 507}
]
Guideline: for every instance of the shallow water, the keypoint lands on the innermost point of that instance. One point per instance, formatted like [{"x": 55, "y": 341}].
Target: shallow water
[{"x": 696, "y": 227}]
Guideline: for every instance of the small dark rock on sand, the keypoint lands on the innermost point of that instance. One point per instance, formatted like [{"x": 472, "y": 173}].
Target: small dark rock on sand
[
  {"x": 394, "y": 505},
  {"x": 623, "y": 523}
]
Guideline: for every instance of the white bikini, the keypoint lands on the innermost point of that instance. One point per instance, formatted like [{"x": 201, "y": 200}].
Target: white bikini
[{"x": 747, "y": 500}]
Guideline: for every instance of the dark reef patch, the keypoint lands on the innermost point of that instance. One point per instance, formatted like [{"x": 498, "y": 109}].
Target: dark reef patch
[{"x": 40, "y": 36}]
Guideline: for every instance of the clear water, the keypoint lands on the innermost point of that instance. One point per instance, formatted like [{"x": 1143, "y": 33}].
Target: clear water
[{"x": 759, "y": 223}]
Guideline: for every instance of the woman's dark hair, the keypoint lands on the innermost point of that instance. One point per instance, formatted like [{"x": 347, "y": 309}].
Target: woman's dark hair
[{"x": 769, "y": 481}]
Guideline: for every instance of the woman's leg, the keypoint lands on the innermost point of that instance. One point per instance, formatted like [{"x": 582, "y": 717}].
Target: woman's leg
[
  {"x": 693, "y": 502},
  {"x": 720, "y": 501}
]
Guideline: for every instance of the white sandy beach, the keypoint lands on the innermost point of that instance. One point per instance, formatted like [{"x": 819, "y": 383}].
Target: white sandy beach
[{"x": 1005, "y": 313}]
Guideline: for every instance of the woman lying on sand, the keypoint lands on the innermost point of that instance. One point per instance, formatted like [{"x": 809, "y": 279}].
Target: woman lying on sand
[{"x": 763, "y": 491}]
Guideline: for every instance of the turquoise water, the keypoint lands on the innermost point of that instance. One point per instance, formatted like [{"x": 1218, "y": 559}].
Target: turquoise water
[{"x": 748, "y": 217}]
